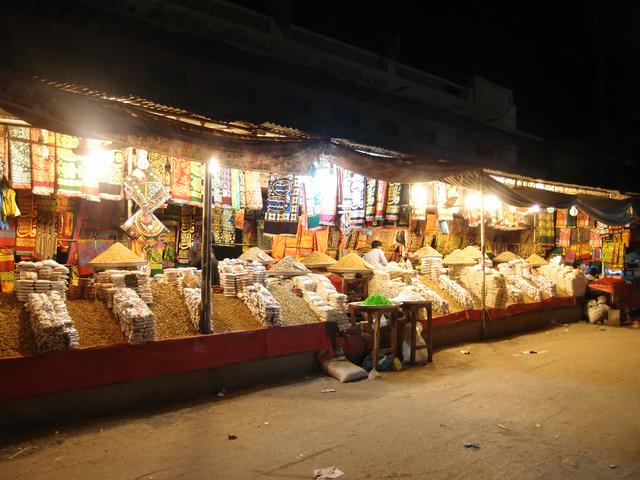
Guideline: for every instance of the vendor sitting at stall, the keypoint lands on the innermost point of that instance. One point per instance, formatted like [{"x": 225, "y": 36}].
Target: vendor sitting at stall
[
  {"x": 195, "y": 260},
  {"x": 376, "y": 256}
]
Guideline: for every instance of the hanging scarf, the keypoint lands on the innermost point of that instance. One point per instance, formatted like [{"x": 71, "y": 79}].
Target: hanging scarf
[
  {"x": 235, "y": 188},
  {"x": 4, "y": 148},
  {"x": 370, "y": 204},
  {"x": 311, "y": 210},
  {"x": 69, "y": 174},
  {"x": 196, "y": 170},
  {"x": 253, "y": 192},
  {"x": 180, "y": 180},
  {"x": 358, "y": 193},
  {"x": 381, "y": 200},
  {"x": 110, "y": 186},
  {"x": 20, "y": 157},
  {"x": 281, "y": 216},
  {"x": 393, "y": 202},
  {"x": 43, "y": 161}
]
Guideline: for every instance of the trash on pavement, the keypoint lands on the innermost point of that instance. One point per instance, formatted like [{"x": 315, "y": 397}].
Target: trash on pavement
[
  {"x": 327, "y": 473},
  {"x": 232, "y": 436},
  {"x": 327, "y": 390},
  {"x": 471, "y": 445},
  {"x": 465, "y": 352}
]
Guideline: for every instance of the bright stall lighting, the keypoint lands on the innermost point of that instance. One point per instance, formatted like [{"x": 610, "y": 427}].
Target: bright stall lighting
[
  {"x": 550, "y": 209},
  {"x": 491, "y": 203},
  {"x": 573, "y": 211},
  {"x": 419, "y": 195},
  {"x": 534, "y": 209},
  {"x": 213, "y": 165},
  {"x": 472, "y": 201}
]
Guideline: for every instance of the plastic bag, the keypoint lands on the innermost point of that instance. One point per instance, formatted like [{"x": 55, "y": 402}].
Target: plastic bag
[{"x": 343, "y": 370}]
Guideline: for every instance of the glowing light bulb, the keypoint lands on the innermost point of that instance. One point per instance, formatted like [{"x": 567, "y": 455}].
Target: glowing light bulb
[
  {"x": 491, "y": 203},
  {"x": 573, "y": 211},
  {"x": 213, "y": 165}
]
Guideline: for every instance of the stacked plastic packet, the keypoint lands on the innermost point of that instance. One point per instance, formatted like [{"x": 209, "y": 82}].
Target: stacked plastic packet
[
  {"x": 527, "y": 288},
  {"x": 382, "y": 283},
  {"x": 40, "y": 277},
  {"x": 262, "y": 305},
  {"x": 236, "y": 275},
  {"x": 192, "y": 298},
  {"x": 51, "y": 323},
  {"x": 323, "y": 298},
  {"x": 546, "y": 286},
  {"x": 569, "y": 280},
  {"x": 431, "y": 267},
  {"x": 137, "y": 322},
  {"x": 453, "y": 288},
  {"x": 439, "y": 304},
  {"x": 139, "y": 282},
  {"x": 495, "y": 286}
]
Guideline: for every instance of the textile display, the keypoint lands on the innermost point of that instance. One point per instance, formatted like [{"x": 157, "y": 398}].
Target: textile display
[
  {"x": 187, "y": 230},
  {"x": 69, "y": 174},
  {"x": 180, "y": 180},
  {"x": 281, "y": 215},
  {"x": 4, "y": 151},
  {"x": 358, "y": 194},
  {"x": 322, "y": 240},
  {"x": 545, "y": 232},
  {"x": 236, "y": 194},
  {"x": 370, "y": 201},
  {"x": 20, "y": 157},
  {"x": 253, "y": 190},
  {"x": 26, "y": 224},
  {"x": 46, "y": 228},
  {"x": 381, "y": 200},
  {"x": 224, "y": 227},
  {"x": 565, "y": 237},
  {"x": 311, "y": 211},
  {"x": 169, "y": 253},
  {"x": 145, "y": 227},
  {"x": 225, "y": 185},
  {"x": 157, "y": 163},
  {"x": 43, "y": 161},
  {"x": 393, "y": 202},
  {"x": 238, "y": 217},
  {"x": 110, "y": 185},
  {"x": 344, "y": 198},
  {"x": 196, "y": 171},
  {"x": 7, "y": 252}
]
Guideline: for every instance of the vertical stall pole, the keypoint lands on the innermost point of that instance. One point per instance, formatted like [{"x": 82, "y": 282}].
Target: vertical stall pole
[
  {"x": 205, "y": 287},
  {"x": 482, "y": 250}
]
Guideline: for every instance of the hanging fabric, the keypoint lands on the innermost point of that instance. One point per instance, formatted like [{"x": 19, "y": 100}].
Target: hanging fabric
[
  {"x": 235, "y": 188},
  {"x": 7, "y": 252},
  {"x": 186, "y": 234},
  {"x": 226, "y": 186},
  {"x": 370, "y": 201},
  {"x": 196, "y": 172},
  {"x": 252, "y": 190},
  {"x": 381, "y": 200},
  {"x": 393, "y": 202},
  {"x": 180, "y": 180},
  {"x": 311, "y": 205},
  {"x": 69, "y": 167},
  {"x": 224, "y": 229},
  {"x": 281, "y": 216},
  {"x": 20, "y": 157},
  {"x": 110, "y": 186},
  {"x": 358, "y": 193},
  {"x": 43, "y": 161},
  {"x": 26, "y": 224},
  {"x": 4, "y": 151}
]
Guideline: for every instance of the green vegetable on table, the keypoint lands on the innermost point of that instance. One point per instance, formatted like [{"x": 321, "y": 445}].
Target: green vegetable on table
[{"x": 377, "y": 299}]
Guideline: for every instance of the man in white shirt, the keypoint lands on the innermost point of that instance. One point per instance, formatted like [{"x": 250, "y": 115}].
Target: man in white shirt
[{"x": 375, "y": 256}]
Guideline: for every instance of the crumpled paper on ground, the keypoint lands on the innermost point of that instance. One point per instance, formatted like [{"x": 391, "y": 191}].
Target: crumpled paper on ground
[{"x": 327, "y": 473}]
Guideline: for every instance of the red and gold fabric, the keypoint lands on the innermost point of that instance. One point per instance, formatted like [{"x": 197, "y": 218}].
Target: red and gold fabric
[{"x": 181, "y": 180}]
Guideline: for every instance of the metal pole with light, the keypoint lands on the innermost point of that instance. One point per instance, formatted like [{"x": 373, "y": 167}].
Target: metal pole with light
[
  {"x": 205, "y": 287},
  {"x": 482, "y": 250}
]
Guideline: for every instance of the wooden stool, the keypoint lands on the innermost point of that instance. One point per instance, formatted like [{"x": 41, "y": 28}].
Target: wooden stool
[
  {"x": 372, "y": 314},
  {"x": 410, "y": 310}
]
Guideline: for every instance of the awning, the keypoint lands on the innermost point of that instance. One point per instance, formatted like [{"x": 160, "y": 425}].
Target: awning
[
  {"x": 136, "y": 122},
  {"x": 605, "y": 210}
]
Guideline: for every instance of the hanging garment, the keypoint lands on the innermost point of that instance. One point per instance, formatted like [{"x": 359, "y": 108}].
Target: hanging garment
[
  {"x": 381, "y": 200},
  {"x": 235, "y": 188},
  {"x": 226, "y": 186},
  {"x": 223, "y": 223},
  {"x": 281, "y": 215},
  {"x": 20, "y": 157},
  {"x": 196, "y": 171}
]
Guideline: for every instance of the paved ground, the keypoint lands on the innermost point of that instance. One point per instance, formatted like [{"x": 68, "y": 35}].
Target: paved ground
[{"x": 570, "y": 411}]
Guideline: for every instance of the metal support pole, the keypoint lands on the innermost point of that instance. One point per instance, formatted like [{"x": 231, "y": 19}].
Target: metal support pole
[
  {"x": 482, "y": 250},
  {"x": 205, "y": 287}
]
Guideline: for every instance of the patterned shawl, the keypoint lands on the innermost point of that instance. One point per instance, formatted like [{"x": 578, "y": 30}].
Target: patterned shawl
[
  {"x": 20, "y": 157},
  {"x": 393, "y": 202},
  {"x": 370, "y": 206},
  {"x": 281, "y": 216},
  {"x": 381, "y": 200},
  {"x": 223, "y": 223},
  {"x": 253, "y": 192},
  {"x": 69, "y": 175},
  {"x": 43, "y": 161},
  {"x": 195, "y": 190},
  {"x": 358, "y": 193},
  {"x": 181, "y": 180}
]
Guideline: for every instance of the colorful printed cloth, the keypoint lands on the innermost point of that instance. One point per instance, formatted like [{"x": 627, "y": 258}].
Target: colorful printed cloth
[
  {"x": 69, "y": 174},
  {"x": 4, "y": 149},
  {"x": 381, "y": 200},
  {"x": 186, "y": 234},
  {"x": 358, "y": 194},
  {"x": 43, "y": 161},
  {"x": 20, "y": 157},
  {"x": 393, "y": 202},
  {"x": 26, "y": 224},
  {"x": 565, "y": 237},
  {"x": 224, "y": 227},
  {"x": 311, "y": 211},
  {"x": 253, "y": 192},
  {"x": 195, "y": 190},
  {"x": 180, "y": 180},
  {"x": 281, "y": 216},
  {"x": 561, "y": 217},
  {"x": 370, "y": 201},
  {"x": 110, "y": 186},
  {"x": 7, "y": 252},
  {"x": 236, "y": 191},
  {"x": 225, "y": 185}
]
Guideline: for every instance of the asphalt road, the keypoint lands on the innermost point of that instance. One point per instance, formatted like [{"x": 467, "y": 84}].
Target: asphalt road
[{"x": 572, "y": 410}]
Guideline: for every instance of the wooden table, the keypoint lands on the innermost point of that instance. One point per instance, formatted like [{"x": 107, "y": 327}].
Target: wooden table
[
  {"x": 372, "y": 314},
  {"x": 410, "y": 310}
]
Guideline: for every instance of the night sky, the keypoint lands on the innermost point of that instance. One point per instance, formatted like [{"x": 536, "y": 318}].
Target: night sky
[{"x": 547, "y": 52}]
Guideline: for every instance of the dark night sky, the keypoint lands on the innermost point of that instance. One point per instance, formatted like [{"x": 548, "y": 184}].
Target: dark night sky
[{"x": 545, "y": 51}]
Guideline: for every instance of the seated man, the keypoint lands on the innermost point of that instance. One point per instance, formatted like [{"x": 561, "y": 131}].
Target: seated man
[{"x": 376, "y": 256}]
